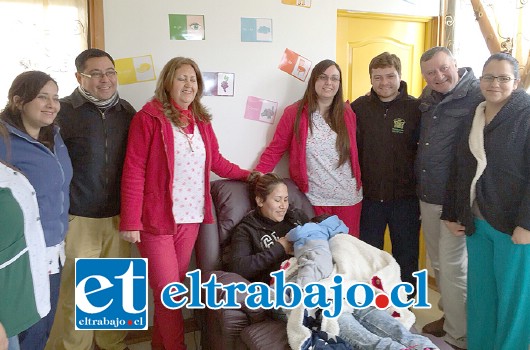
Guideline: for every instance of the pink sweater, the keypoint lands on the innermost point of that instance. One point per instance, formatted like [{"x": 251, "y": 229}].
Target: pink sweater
[
  {"x": 285, "y": 139},
  {"x": 146, "y": 188}
]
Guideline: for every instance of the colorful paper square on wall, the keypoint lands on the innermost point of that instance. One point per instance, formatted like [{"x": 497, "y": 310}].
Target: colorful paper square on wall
[
  {"x": 135, "y": 69},
  {"x": 218, "y": 84},
  {"x": 186, "y": 27},
  {"x": 302, "y": 3},
  {"x": 261, "y": 110},
  {"x": 295, "y": 65},
  {"x": 256, "y": 29}
]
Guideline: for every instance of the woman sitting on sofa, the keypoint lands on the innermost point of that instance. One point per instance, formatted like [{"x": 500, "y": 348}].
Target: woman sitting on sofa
[{"x": 259, "y": 246}]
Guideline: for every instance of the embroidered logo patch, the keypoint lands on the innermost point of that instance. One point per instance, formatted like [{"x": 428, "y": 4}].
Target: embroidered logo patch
[{"x": 399, "y": 126}]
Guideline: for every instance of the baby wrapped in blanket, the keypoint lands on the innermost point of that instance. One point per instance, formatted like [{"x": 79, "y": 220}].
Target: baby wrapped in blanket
[{"x": 311, "y": 247}]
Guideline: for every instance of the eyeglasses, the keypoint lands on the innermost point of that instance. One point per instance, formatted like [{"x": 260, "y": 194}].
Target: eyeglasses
[
  {"x": 502, "y": 79},
  {"x": 333, "y": 78},
  {"x": 98, "y": 75}
]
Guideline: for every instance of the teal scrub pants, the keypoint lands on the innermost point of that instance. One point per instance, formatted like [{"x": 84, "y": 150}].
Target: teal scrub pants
[{"x": 498, "y": 303}]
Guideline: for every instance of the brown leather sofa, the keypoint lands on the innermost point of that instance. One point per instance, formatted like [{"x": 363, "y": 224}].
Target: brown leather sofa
[{"x": 243, "y": 328}]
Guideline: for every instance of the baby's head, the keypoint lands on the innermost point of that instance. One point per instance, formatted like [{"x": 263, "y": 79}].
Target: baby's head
[{"x": 319, "y": 218}]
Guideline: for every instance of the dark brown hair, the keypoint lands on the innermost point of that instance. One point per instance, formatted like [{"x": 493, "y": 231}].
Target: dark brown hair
[
  {"x": 334, "y": 116},
  {"x": 4, "y": 137},
  {"x": 385, "y": 60},
  {"x": 27, "y": 86},
  {"x": 262, "y": 185},
  {"x": 165, "y": 84},
  {"x": 320, "y": 218}
]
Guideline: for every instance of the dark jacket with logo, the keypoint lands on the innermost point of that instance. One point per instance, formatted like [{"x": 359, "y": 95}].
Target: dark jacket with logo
[
  {"x": 96, "y": 142},
  {"x": 387, "y": 140},
  {"x": 254, "y": 249},
  {"x": 441, "y": 125},
  {"x": 503, "y": 189}
]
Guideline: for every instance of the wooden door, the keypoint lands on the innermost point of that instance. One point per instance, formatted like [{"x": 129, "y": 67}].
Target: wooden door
[{"x": 362, "y": 36}]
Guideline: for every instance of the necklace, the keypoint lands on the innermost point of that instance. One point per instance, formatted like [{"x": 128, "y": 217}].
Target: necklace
[{"x": 189, "y": 137}]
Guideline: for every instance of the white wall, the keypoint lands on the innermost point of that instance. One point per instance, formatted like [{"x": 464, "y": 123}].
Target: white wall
[{"x": 140, "y": 27}]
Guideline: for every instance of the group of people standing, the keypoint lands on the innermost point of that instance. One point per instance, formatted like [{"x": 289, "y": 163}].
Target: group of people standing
[
  {"x": 94, "y": 170},
  {"x": 81, "y": 169},
  {"x": 473, "y": 183},
  {"x": 457, "y": 157},
  {"x": 72, "y": 152}
]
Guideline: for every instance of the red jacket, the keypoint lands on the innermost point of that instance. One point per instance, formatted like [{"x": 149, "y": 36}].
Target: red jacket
[
  {"x": 285, "y": 139},
  {"x": 147, "y": 182}
]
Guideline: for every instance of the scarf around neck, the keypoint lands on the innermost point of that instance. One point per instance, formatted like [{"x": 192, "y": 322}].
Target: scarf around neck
[{"x": 101, "y": 104}]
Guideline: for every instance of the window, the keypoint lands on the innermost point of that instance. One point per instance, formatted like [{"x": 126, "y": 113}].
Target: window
[
  {"x": 43, "y": 35},
  {"x": 508, "y": 27}
]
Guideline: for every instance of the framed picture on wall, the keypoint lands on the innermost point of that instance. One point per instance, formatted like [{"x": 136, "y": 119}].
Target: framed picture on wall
[
  {"x": 186, "y": 27},
  {"x": 302, "y": 3},
  {"x": 135, "y": 69},
  {"x": 261, "y": 109},
  {"x": 295, "y": 65},
  {"x": 218, "y": 83},
  {"x": 256, "y": 29}
]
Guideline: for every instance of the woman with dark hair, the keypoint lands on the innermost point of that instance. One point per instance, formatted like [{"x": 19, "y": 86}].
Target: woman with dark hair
[
  {"x": 166, "y": 185},
  {"x": 488, "y": 199},
  {"x": 258, "y": 247},
  {"x": 35, "y": 147},
  {"x": 258, "y": 244},
  {"x": 319, "y": 133}
]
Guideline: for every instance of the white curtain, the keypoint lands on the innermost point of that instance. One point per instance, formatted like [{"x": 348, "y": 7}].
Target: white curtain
[{"x": 43, "y": 35}]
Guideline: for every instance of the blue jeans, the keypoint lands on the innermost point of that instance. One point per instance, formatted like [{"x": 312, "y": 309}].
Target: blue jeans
[
  {"x": 373, "y": 329},
  {"x": 36, "y": 336},
  {"x": 12, "y": 343}
]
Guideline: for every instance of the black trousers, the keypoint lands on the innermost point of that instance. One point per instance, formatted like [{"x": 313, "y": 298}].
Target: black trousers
[{"x": 403, "y": 219}]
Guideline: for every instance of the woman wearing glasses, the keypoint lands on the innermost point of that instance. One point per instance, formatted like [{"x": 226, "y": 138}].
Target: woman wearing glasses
[
  {"x": 319, "y": 133},
  {"x": 488, "y": 199}
]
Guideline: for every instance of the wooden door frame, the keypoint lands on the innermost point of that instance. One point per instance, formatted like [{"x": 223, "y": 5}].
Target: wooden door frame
[{"x": 96, "y": 29}]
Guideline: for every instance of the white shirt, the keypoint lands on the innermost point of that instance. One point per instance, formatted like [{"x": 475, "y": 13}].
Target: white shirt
[
  {"x": 328, "y": 185},
  {"x": 188, "y": 180}
]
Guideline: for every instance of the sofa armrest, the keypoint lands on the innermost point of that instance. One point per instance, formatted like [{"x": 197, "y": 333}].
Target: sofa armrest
[
  {"x": 235, "y": 316},
  {"x": 207, "y": 246},
  {"x": 271, "y": 334}
]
